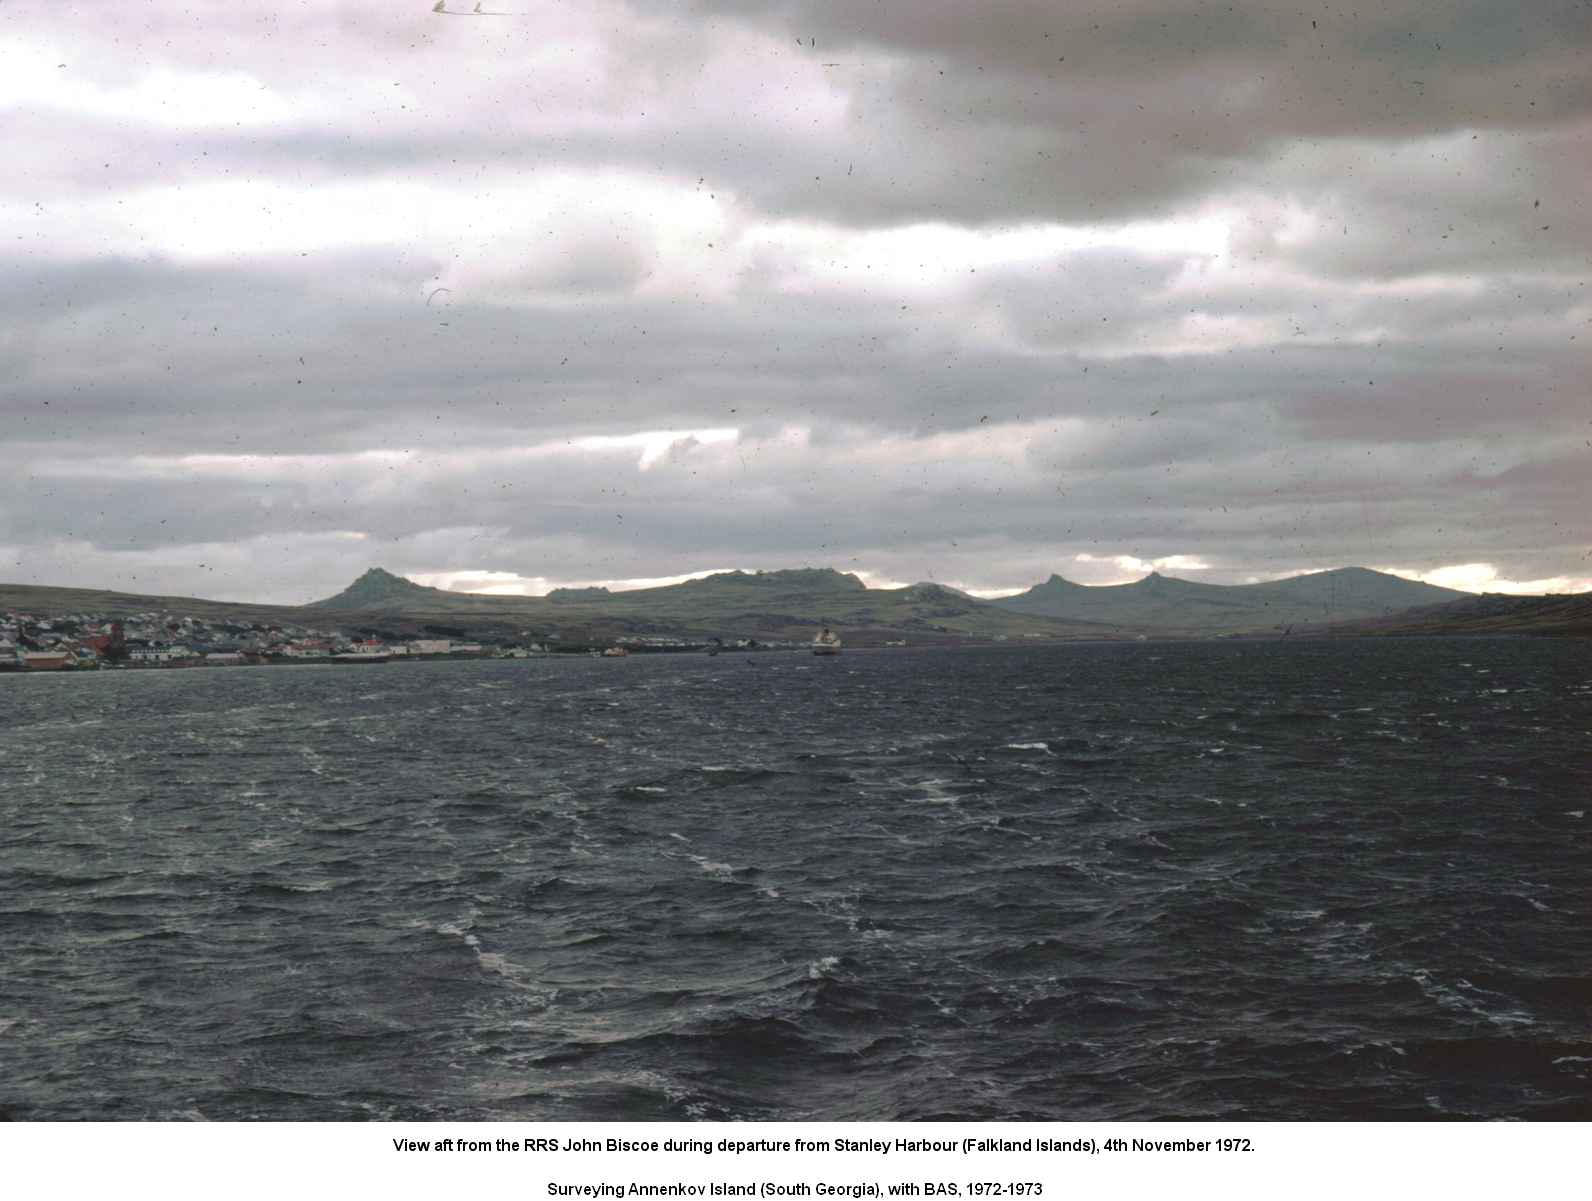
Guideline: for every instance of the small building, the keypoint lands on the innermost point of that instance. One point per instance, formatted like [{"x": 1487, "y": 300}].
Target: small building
[{"x": 149, "y": 654}]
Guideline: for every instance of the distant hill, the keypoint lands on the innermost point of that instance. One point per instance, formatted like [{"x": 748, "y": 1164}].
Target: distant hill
[
  {"x": 379, "y": 590},
  {"x": 1489, "y": 614},
  {"x": 1164, "y": 604},
  {"x": 766, "y": 605},
  {"x": 41, "y": 599},
  {"x": 802, "y": 581},
  {"x": 792, "y": 604},
  {"x": 568, "y": 595}
]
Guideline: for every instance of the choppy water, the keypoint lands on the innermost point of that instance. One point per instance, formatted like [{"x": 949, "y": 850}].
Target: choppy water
[{"x": 1287, "y": 880}]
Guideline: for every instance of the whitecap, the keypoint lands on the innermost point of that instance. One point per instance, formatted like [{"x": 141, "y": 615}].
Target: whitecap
[
  {"x": 719, "y": 871},
  {"x": 1467, "y": 998},
  {"x": 820, "y": 968},
  {"x": 517, "y": 976},
  {"x": 461, "y": 925},
  {"x": 938, "y": 794}
]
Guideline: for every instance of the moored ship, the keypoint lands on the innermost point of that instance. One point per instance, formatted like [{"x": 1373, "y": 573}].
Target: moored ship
[{"x": 826, "y": 642}]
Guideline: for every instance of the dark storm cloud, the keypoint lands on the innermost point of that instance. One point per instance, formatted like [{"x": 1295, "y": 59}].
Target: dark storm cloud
[
  {"x": 977, "y": 114},
  {"x": 1107, "y": 107}
]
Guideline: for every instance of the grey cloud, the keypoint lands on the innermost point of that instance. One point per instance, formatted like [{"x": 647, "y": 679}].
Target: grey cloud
[
  {"x": 156, "y": 358},
  {"x": 1214, "y": 488},
  {"x": 1397, "y": 372},
  {"x": 979, "y": 114},
  {"x": 1109, "y": 108}
]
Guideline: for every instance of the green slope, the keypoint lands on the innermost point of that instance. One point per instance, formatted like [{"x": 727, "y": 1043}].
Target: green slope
[{"x": 1569, "y": 615}]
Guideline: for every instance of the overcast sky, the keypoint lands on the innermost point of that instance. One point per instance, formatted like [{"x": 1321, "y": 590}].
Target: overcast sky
[{"x": 971, "y": 292}]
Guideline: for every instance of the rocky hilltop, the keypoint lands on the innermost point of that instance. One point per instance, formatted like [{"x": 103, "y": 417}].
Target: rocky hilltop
[{"x": 380, "y": 590}]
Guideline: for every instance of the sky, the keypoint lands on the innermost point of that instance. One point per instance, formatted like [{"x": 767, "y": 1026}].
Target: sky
[{"x": 600, "y": 293}]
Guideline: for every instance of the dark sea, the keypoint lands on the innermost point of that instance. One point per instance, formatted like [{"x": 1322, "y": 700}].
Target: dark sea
[{"x": 1238, "y": 880}]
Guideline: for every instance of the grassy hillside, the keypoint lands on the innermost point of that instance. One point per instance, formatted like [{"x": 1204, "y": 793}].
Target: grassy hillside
[
  {"x": 41, "y": 600},
  {"x": 792, "y": 604},
  {"x": 1492, "y": 614},
  {"x": 771, "y": 605}
]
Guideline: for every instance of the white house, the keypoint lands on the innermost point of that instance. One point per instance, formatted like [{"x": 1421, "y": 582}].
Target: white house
[{"x": 157, "y": 654}]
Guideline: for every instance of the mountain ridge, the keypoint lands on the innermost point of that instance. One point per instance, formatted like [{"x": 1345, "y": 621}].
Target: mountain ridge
[
  {"x": 780, "y": 604},
  {"x": 1171, "y": 604},
  {"x": 786, "y": 604}
]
